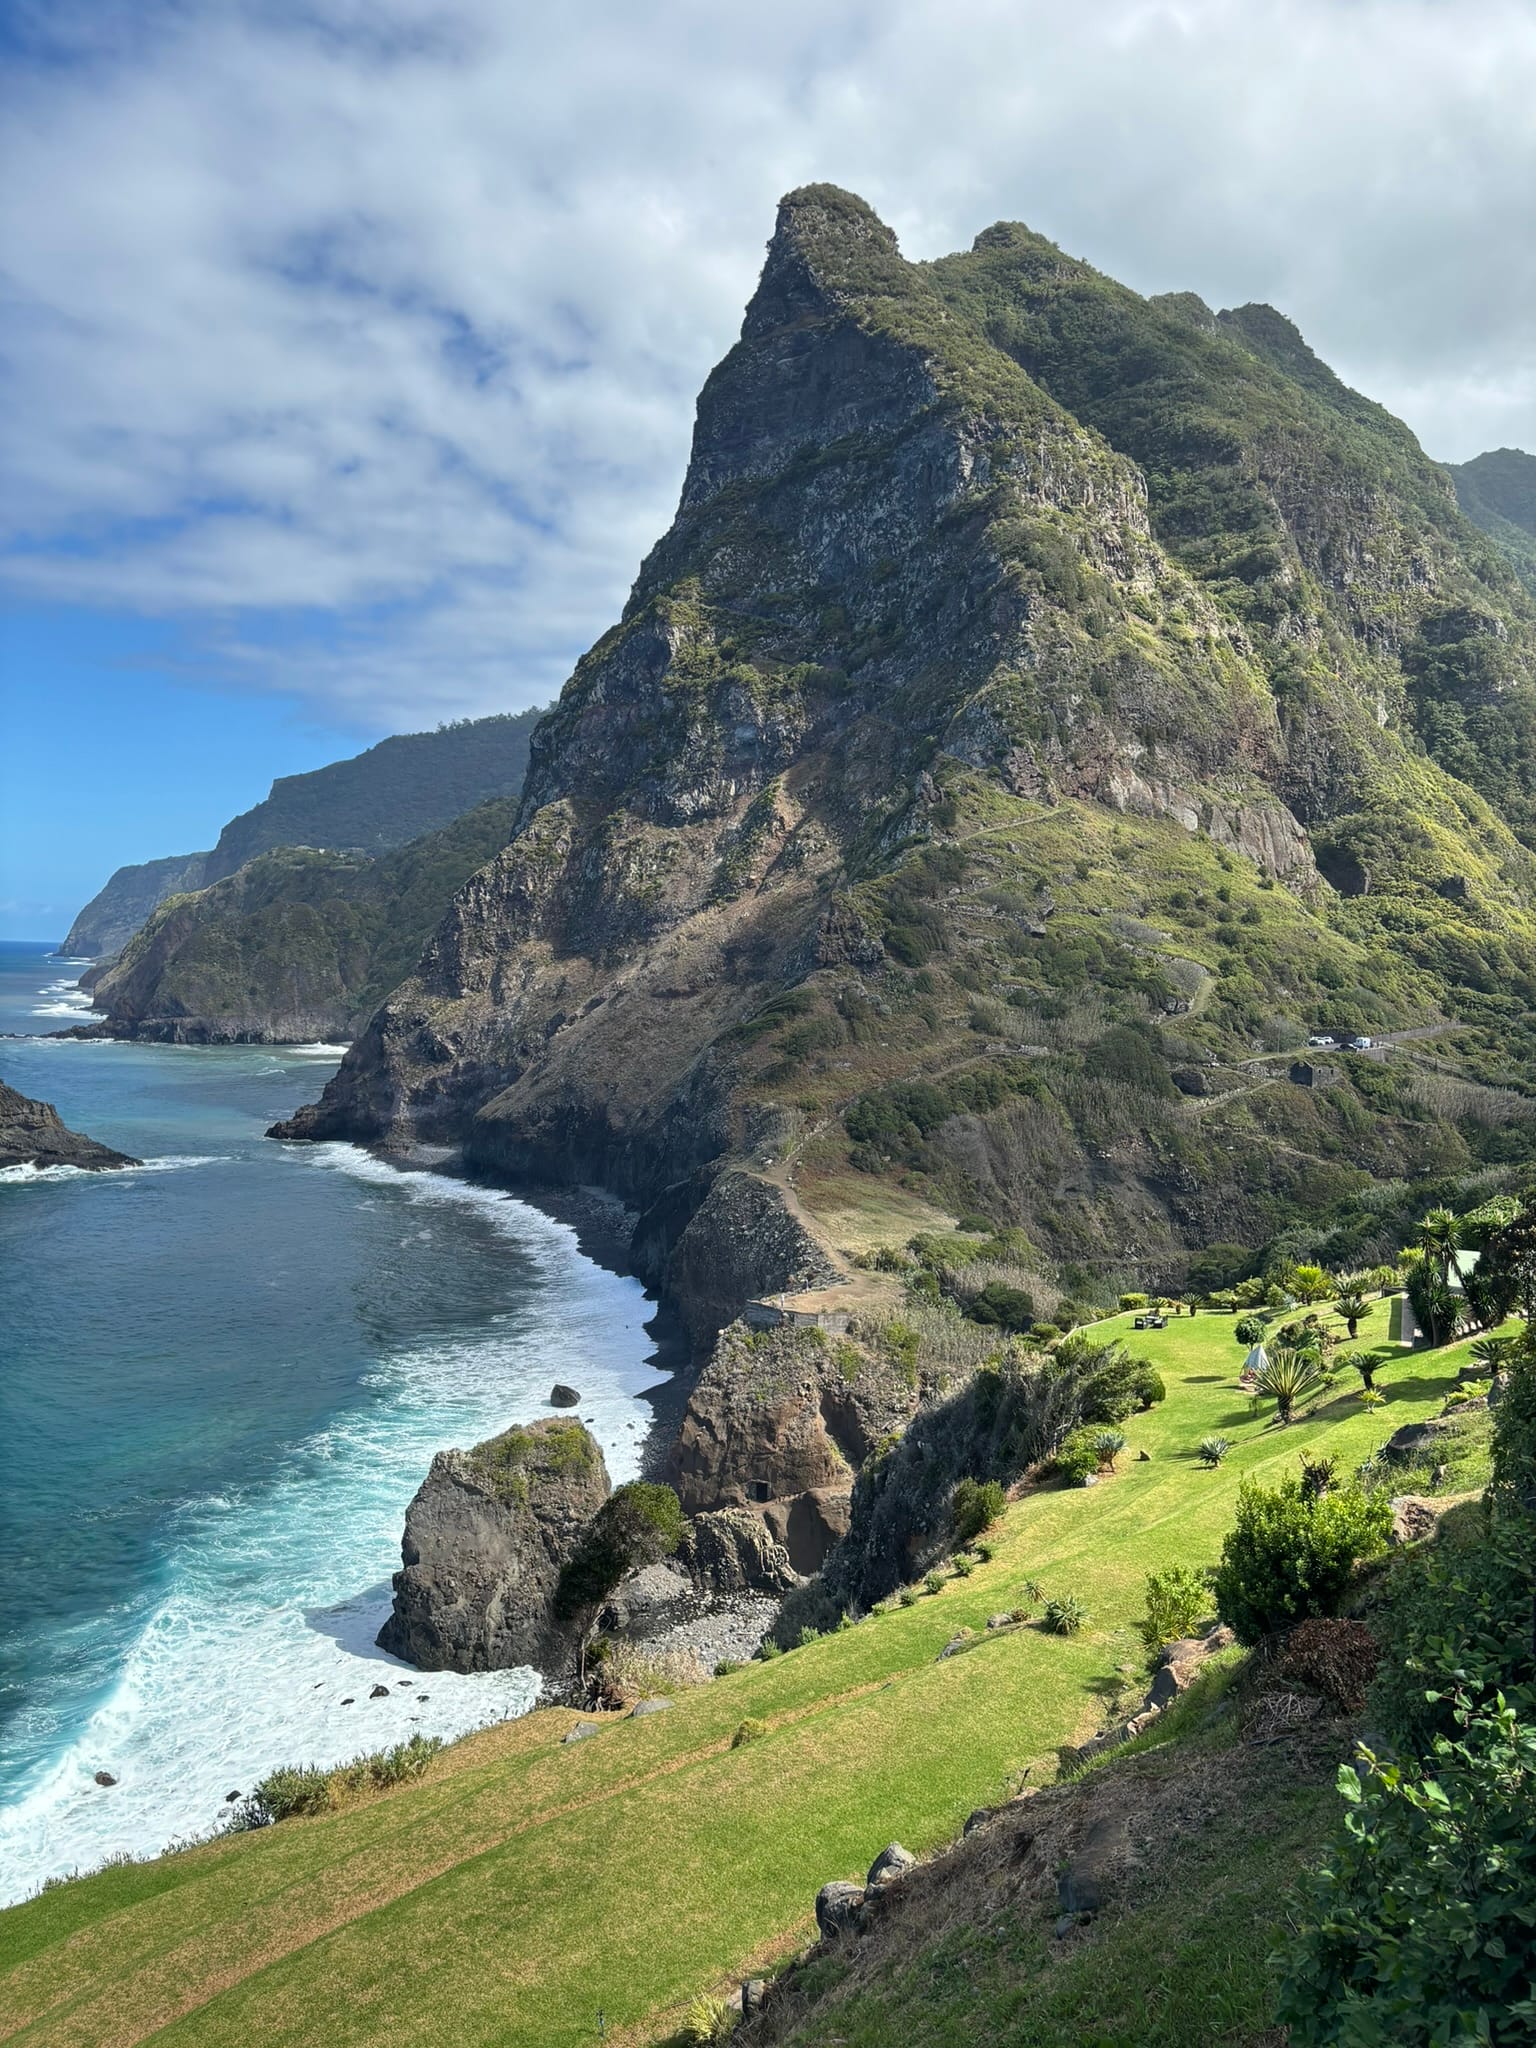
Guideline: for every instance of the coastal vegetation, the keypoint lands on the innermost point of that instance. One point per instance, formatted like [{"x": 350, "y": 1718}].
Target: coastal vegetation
[{"x": 532, "y": 1841}]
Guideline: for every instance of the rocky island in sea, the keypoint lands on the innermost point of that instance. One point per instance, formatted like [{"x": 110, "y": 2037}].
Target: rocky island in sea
[{"x": 34, "y": 1134}]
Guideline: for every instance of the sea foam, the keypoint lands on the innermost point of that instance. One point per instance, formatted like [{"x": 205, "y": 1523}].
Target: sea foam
[{"x": 256, "y": 1648}]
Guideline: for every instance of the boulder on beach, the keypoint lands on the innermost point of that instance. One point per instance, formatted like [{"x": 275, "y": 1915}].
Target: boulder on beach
[{"x": 562, "y": 1396}]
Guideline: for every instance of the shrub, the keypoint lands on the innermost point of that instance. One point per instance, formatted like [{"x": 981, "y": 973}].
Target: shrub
[
  {"x": 934, "y": 1583},
  {"x": 706, "y": 2022},
  {"x": 806, "y": 1637},
  {"x": 975, "y": 1506},
  {"x": 985, "y": 1551},
  {"x": 1178, "y": 1600},
  {"x": 1317, "y": 1476},
  {"x": 304, "y": 1789},
  {"x": 1212, "y": 1450},
  {"x": 1064, "y": 1615},
  {"x": 767, "y": 1650},
  {"x": 1107, "y": 1446},
  {"x": 1287, "y": 1558},
  {"x": 1077, "y": 1460},
  {"x": 1148, "y": 1387},
  {"x": 1249, "y": 1329},
  {"x": 726, "y": 1665},
  {"x": 747, "y": 1731},
  {"x": 1133, "y": 1301},
  {"x": 1372, "y": 1397},
  {"x": 908, "y": 1596},
  {"x": 1420, "y": 1927},
  {"x": 963, "y": 1567},
  {"x": 975, "y": 1224},
  {"x": 632, "y": 1672},
  {"x": 1003, "y": 1307}
]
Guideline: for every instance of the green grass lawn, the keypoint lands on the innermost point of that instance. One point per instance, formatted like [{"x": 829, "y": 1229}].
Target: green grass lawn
[{"x": 521, "y": 1887}]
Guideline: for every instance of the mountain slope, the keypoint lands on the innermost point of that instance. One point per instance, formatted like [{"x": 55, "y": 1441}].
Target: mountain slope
[
  {"x": 294, "y": 946},
  {"x": 383, "y": 798},
  {"x": 1497, "y": 491},
  {"x": 951, "y": 782}
]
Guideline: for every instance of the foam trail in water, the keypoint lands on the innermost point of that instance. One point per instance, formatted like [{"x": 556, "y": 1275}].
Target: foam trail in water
[{"x": 272, "y": 1598}]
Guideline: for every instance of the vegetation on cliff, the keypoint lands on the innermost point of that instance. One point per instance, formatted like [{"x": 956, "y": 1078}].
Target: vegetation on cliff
[{"x": 1497, "y": 491}]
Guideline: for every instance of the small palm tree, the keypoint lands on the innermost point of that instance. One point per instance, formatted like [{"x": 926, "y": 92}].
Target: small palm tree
[
  {"x": 1495, "y": 1352},
  {"x": 1368, "y": 1364},
  {"x": 1354, "y": 1308},
  {"x": 1310, "y": 1283},
  {"x": 1212, "y": 1450},
  {"x": 1287, "y": 1377}
]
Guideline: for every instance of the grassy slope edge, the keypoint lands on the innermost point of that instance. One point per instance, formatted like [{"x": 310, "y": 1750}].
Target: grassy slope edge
[{"x": 522, "y": 1886}]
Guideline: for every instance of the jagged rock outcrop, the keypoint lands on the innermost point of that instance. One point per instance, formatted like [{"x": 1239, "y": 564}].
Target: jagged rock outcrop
[
  {"x": 34, "y": 1134},
  {"x": 997, "y": 598},
  {"x": 732, "y": 1551},
  {"x": 485, "y": 1539},
  {"x": 777, "y": 1425}
]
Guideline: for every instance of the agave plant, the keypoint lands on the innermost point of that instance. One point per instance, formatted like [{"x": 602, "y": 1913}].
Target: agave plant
[
  {"x": 1064, "y": 1615},
  {"x": 1107, "y": 1446},
  {"x": 1212, "y": 1450},
  {"x": 1288, "y": 1376}
]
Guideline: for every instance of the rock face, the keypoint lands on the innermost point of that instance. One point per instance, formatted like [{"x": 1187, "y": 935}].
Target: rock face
[
  {"x": 485, "y": 1539},
  {"x": 777, "y": 1425},
  {"x": 961, "y": 567},
  {"x": 32, "y": 1134},
  {"x": 117, "y": 910},
  {"x": 732, "y": 1551}
]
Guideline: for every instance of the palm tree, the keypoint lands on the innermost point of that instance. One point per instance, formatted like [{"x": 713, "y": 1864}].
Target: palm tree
[
  {"x": 1438, "y": 1236},
  {"x": 1368, "y": 1364},
  {"x": 1288, "y": 1376},
  {"x": 1354, "y": 1308},
  {"x": 1495, "y": 1352},
  {"x": 1309, "y": 1283}
]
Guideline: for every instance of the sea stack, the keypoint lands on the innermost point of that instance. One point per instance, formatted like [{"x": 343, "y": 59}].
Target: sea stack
[{"x": 34, "y": 1134}]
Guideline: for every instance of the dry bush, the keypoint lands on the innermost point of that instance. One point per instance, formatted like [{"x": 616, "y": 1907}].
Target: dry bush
[
  {"x": 630, "y": 1672},
  {"x": 1334, "y": 1658},
  {"x": 1469, "y": 1102}
]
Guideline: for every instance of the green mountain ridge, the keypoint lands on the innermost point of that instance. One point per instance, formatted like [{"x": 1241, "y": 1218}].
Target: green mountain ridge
[
  {"x": 1497, "y": 491},
  {"x": 1041, "y": 693},
  {"x": 296, "y": 945},
  {"x": 392, "y": 793}
]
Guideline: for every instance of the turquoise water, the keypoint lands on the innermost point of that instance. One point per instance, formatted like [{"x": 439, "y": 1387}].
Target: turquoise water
[{"x": 222, "y": 1377}]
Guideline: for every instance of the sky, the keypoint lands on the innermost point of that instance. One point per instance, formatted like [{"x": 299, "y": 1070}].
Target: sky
[{"x": 348, "y": 348}]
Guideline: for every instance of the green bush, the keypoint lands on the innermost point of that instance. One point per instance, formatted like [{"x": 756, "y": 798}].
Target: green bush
[
  {"x": 707, "y": 2022},
  {"x": 908, "y": 1596},
  {"x": 638, "y": 1524},
  {"x": 963, "y": 1567},
  {"x": 750, "y": 1730},
  {"x": 1287, "y": 1557},
  {"x": 1249, "y": 1329},
  {"x": 1420, "y": 1927},
  {"x": 934, "y": 1583},
  {"x": 1064, "y": 1615},
  {"x": 1148, "y": 1386},
  {"x": 1211, "y": 1451},
  {"x": 1178, "y": 1600},
  {"x": 1133, "y": 1301},
  {"x": 1003, "y": 1307},
  {"x": 975, "y": 1506},
  {"x": 299, "y": 1790},
  {"x": 1077, "y": 1460}
]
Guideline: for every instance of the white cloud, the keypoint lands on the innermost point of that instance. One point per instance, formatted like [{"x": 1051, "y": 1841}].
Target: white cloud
[{"x": 360, "y": 340}]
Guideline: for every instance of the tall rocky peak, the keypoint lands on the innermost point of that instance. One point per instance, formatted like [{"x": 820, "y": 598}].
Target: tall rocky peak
[{"x": 970, "y": 555}]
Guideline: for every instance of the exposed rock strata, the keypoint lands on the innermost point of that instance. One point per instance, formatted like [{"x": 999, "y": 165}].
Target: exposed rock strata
[{"x": 34, "y": 1134}]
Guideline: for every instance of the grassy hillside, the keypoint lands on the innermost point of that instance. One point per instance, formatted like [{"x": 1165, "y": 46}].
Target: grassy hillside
[{"x": 522, "y": 1886}]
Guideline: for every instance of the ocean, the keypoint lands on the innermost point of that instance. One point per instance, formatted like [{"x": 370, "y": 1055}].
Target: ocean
[{"x": 222, "y": 1377}]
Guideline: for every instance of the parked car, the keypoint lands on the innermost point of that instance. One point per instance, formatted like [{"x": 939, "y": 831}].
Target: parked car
[
  {"x": 1361, "y": 1044},
  {"x": 1320, "y": 1038}
]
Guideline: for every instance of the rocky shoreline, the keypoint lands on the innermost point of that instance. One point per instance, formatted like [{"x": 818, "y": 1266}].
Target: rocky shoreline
[{"x": 34, "y": 1134}]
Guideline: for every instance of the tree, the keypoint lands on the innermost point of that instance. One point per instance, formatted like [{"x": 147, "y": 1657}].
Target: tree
[
  {"x": 1249, "y": 1330},
  {"x": 1354, "y": 1308},
  {"x": 1310, "y": 1283},
  {"x": 1505, "y": 1276},
  {"x": 1435, "y": 1306},
  {"x": 1368, "y": 1364},
  {"x": 637, "y": 1525},
  {"x": 1286, "y": 1377},
  {"x": 1438, "y": 1236},
  {"x": 1287, "y": 1557}
]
